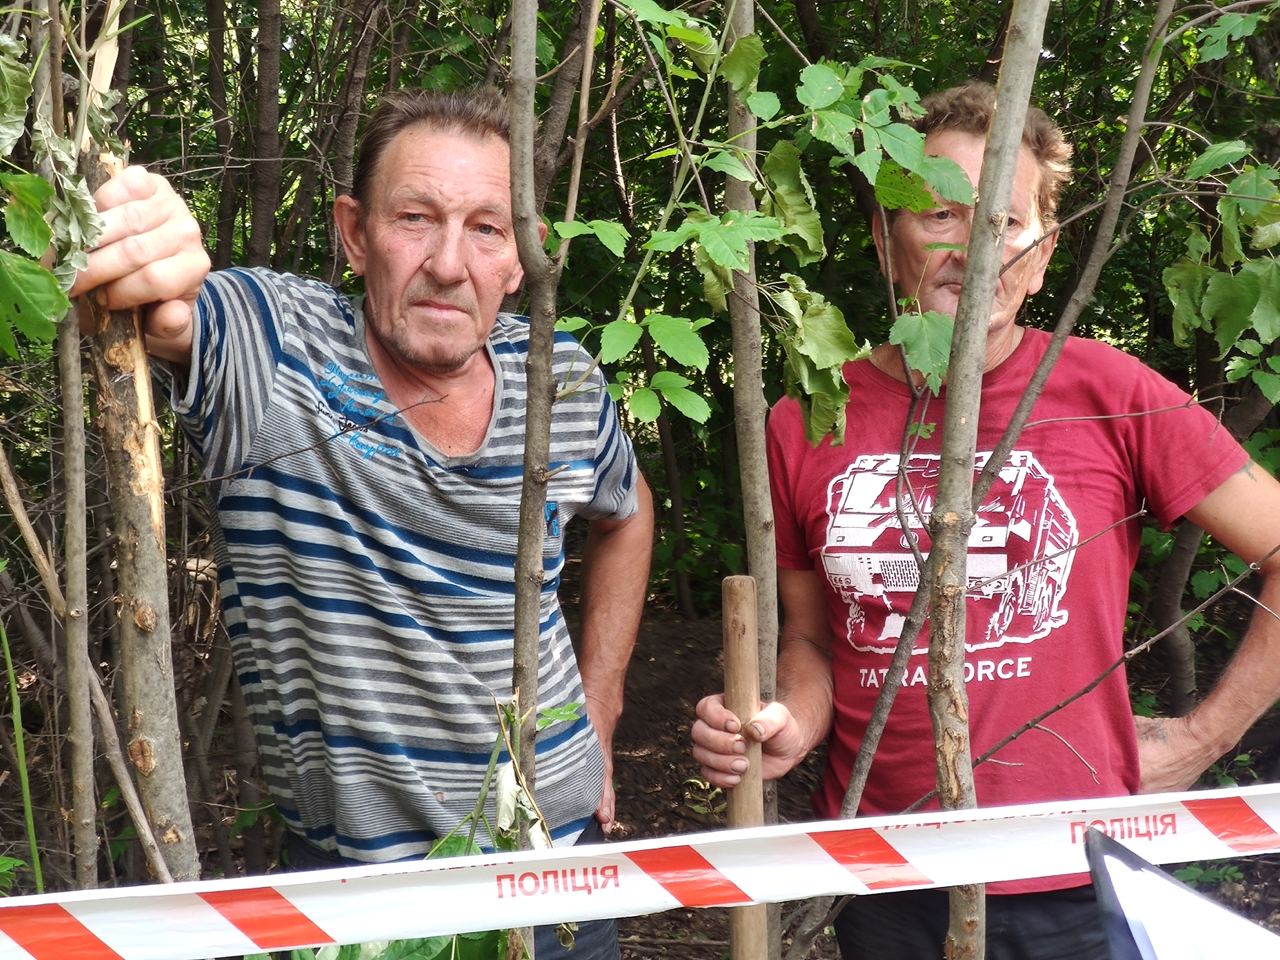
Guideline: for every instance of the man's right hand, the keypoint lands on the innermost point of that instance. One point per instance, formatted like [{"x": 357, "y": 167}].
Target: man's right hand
[
  {"x": 150, "y": 255},
  {"x": 720, "y": 741}
]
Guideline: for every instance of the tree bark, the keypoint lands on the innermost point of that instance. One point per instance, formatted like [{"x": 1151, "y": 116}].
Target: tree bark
[
  {"x": 953, "y": 514},
  {"x": 267, "y": 162},
  {"x": 224, "y": 134},
  {"x": 750, "y": 410},
  {"x": 132, "y": 454},
  {"x": 363, "y": 33}
]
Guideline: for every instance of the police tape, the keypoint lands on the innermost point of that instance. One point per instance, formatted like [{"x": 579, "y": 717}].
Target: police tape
[{"x": 188, "y": 921}]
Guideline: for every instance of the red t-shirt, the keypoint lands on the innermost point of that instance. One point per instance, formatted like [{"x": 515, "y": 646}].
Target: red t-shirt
[{"x": 1049, "y": 562}]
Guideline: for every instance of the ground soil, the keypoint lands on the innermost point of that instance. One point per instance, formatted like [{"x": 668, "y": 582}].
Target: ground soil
[{"x": 660, "y": 793}]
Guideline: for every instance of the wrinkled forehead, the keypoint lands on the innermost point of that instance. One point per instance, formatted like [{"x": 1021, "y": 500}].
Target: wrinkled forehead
[{"x": 452, "y": 165}]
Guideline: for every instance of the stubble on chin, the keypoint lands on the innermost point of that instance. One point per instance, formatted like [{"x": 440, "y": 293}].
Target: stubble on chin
[{"x": 422, "y": 353}]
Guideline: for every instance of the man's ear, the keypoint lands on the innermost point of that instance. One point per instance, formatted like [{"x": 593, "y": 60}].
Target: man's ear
[{"x": 350, "y": 224}]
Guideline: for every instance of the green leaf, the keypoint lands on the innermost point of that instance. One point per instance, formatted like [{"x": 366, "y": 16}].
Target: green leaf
[
  {"x": 1254, "y": 190},
  {"x": 1216, "y": 157},
  {"x": 905, "y": 144},
  {"x": 1185, "y": 283},
  {"x": 15, "y": 90},
  {"x": 24, "y": 213},
  {"x": 1269, "y": 384},
  {"x": 1265, "y": 318},
  {"x": 618, "y": 339},
  {"x": 1266, "y": 228},
  {"x": 875, "y": 107},
  {"x": 697, "y": 39},
  {"x": 716, "y": 281},
  {"x": 926, "y": 339},
  {"x": 1228, "y": 26},
  {"x": 728, "y": 163},
  {"x": 948, "y": 180},
  {"x": 726, "y": 240},
  {"x": 613, "y": 235},
  {"x": 668, "y": 380},
  {"x": 30, "y": 300},
  {"x": 454, "y": 845},
  {"x": 664, "y": 241},
  {"x": 676, "y": 337},
  {"x": 868, "y": 161},
  {"x": 897, "y": 188},
  {"x": 644, "y": 405},
  {"x": 790, "y": 200},
  {"x": 1228, "y": 302},
  {"x": 836, "y": 128},
  {"x": 1197, "y": 243},
  {"x": 820, "y": 331},
  {"x": 822, "y": 394},
  {"x": 646, "y": 11},
  {"x": 820, "y": 86},
  {"x": 571, "y": 324},
  {"x": 741, "y": 65},
  {"x": 565, "y": 713},
  {"x": 764, "y": 105},
  {"x": 688, "y": 403}
]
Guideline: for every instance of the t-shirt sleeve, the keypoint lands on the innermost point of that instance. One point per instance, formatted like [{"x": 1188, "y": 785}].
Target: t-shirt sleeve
[
  {"x": 1181, "y": 452},
  {"x": 221, "y": 396},
  {"x": 614, "y": 497},
  {"x": 783, "y": 433}
]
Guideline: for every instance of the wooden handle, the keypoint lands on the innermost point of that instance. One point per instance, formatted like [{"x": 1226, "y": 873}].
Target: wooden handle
[{"x": 748, "y": 926}]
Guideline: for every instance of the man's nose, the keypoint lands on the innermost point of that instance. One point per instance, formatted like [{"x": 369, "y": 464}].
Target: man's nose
[{"x": 446, "y": 259}]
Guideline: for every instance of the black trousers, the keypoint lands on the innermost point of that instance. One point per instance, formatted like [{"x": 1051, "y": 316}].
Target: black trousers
[
  {"x": 1058, "y": 925},
  {"x": 594, "y": 939}
]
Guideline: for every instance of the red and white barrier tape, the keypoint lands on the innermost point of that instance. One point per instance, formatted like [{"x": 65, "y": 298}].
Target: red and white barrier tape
[{"x": 188, "y": 921}]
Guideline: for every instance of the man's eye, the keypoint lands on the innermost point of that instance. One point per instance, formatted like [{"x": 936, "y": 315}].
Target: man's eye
[
  {"x": 486, "y": 229},
  {"x": 941, "y": 214},
  {"x": 408, "y": 217}
]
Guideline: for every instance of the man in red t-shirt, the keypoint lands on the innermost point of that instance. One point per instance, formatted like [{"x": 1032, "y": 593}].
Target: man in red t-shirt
[{"x": 1049, "y": 561}]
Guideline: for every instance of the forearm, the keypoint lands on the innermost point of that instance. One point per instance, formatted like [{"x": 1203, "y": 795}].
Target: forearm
[
  {"x": 806, "y": 688},
  {"x": 1251, "y": 683},
  {"x": 614, "y": 582}
]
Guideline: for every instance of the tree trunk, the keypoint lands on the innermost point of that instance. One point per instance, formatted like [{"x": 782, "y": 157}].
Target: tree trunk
[
  {"x": 224, "y": 134},
  {"x": 136, "y": 477},
  {"x": 750, "y": 411},
  {"x": 267, "y": 162},
  {"x": 953, "y": 513},
  {"x": 363, "y": 33}
]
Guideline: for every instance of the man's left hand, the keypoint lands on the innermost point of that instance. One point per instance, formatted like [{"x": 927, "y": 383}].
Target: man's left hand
[
  {"x": 604, "y": 725},
  {"x": 1170, "y": 754}
]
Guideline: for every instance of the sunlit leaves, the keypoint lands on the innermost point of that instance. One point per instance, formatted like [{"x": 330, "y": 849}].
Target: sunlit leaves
[
  {"x": 1185, "y": 284},
  {"x": 1228, "y": 302},
  {"x": 618, "y": 339},
  {"x": 646, "y": 11},
  {"x": 15, "y": 90},
  {"x": 820, "y": 86},
  {"x": 724, "y": 239},
  {"x": 1227, "y": 27},
  {"x": 1254, "y": 189},
  {"x": 818, "y": 344},
  {"x": 948, "y": 179},
  {"x": 24, "y": 213},
  {"x": 678, "y": 338},
  {"x": 674, "y": 389},
  {"x": 926, "y": 340},
  {"x": 790, "y": 200},
  {"x": 1219, "y": 155},
  {"x": 610, "y": 233},
  {"x": 905, "y": 144},
  {"x": 30, "y": 301},
  {"x": 726, "y": 162},
  {"x": 897, "y": 188}
]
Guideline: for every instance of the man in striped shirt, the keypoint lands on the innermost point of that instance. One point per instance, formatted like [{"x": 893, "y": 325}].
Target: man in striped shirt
[{"x": 365, "y": 459}]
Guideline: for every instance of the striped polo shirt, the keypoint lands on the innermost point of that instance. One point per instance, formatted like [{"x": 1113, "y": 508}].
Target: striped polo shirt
[{"x": 367, "y": 580}]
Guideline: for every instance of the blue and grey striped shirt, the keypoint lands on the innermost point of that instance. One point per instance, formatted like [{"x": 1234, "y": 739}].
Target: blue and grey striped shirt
[{"x": 367, "y": 579}]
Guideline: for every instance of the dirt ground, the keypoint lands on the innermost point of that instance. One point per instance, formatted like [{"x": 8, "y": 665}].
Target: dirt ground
[{"x": 660, "y": 793}]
